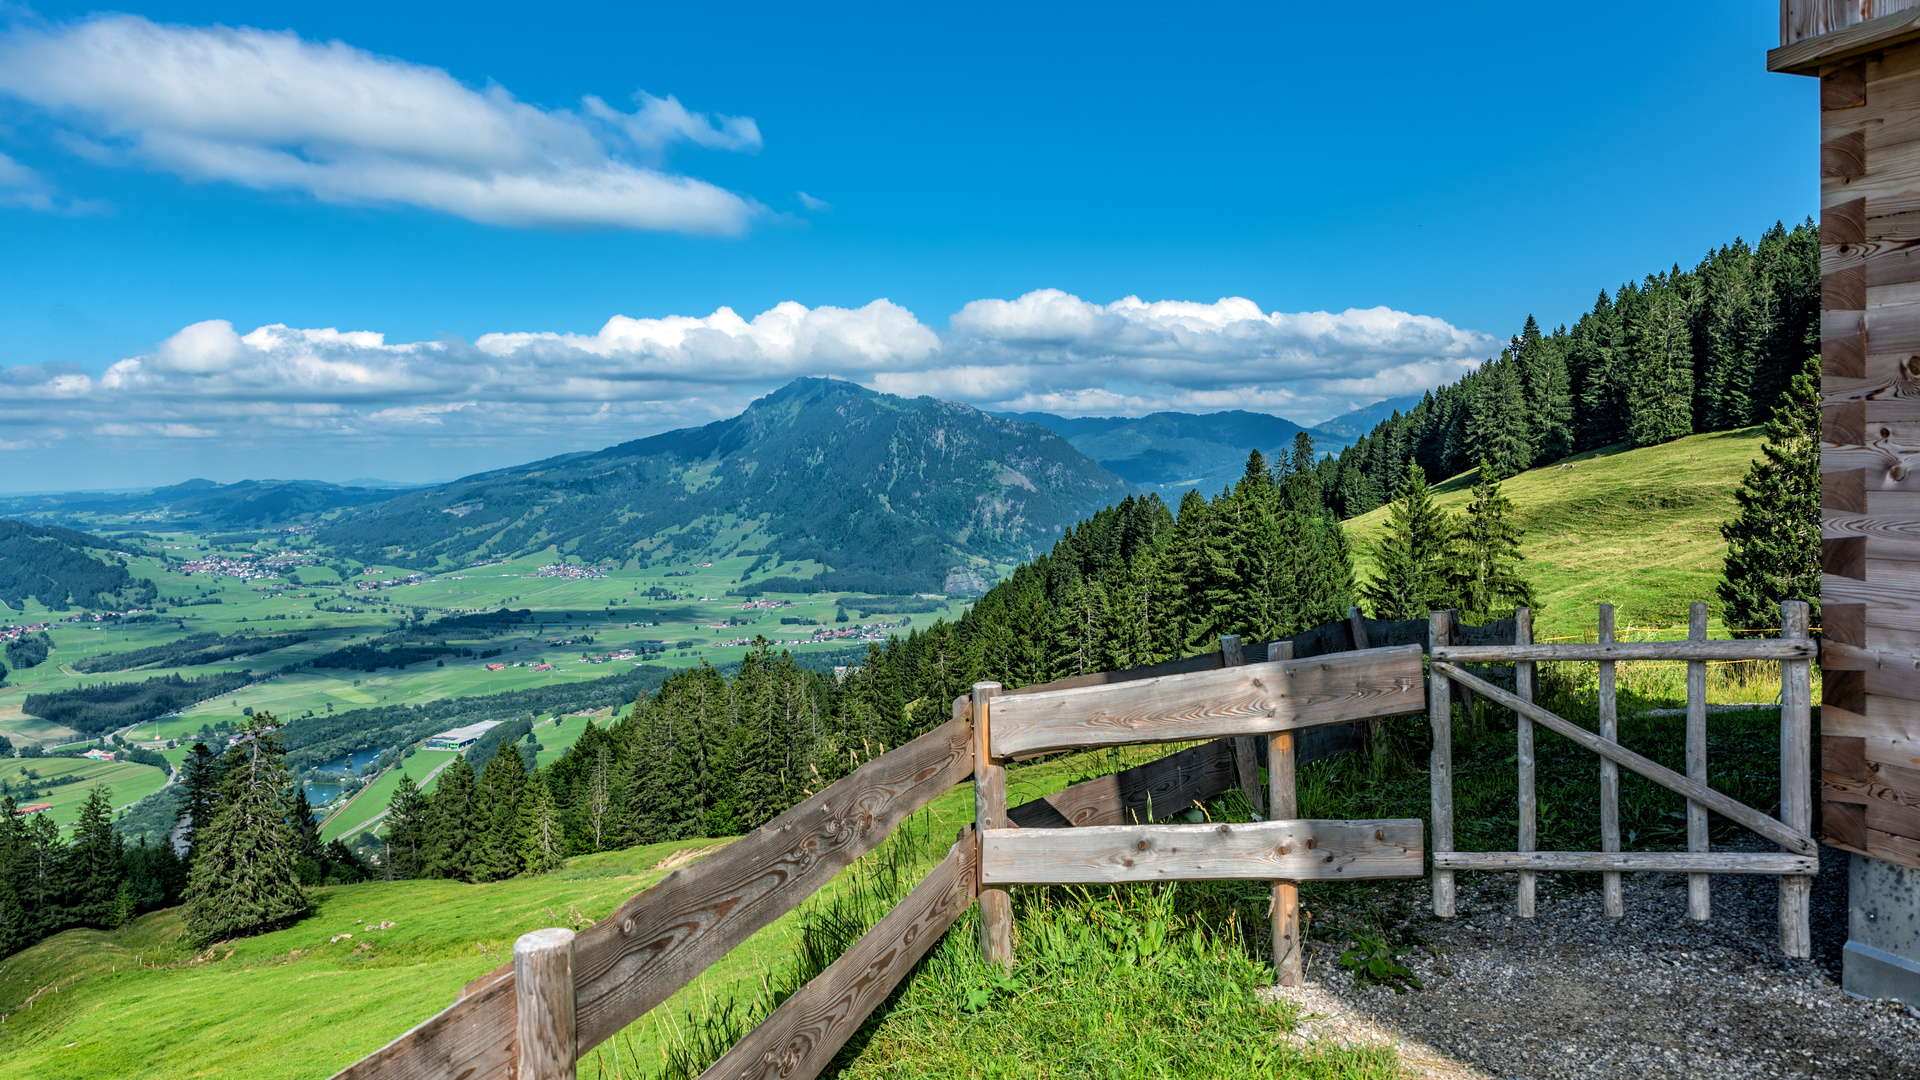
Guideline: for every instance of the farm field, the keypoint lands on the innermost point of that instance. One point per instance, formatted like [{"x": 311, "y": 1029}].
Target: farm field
[
  {"x": 686, "y": 608},
  {"x": 128, "y": 782},
  {"x": 1637, "y": 528},
  {"x": 204, "y": 1018}
]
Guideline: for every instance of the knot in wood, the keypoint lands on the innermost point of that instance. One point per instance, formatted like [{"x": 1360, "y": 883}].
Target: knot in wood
[
  {"x": 1379, "y": 834},
  {"x": 1310, "y": 843},
  {"x": 1141, "y": 846},
  {"x": 1224, "y": 830},
  {"x": 1285, "y": 850}
]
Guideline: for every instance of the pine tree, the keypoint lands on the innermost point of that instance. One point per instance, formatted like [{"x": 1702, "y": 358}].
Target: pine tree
[
  {"x": 450, "y": 823},
  {"x": 1773, "y": 544},
  {"x": 1488, "y": 580},
  {"x": 1411, "y": 565},
  {"x": 244, "y": 879},
  {"x": 1660, "y": 399},
  {"x": 1498, "y": 427},
  {"x": 1300, "y": 489},
  {"x": 199, "y": 794},
  {"x": 90, "y": 868},
  {"x": 541, "y": 842},
  {"x": 1079, "y": 630},
  {"x": 495, "y": 854},
  {"x": 407, "y": 818}
]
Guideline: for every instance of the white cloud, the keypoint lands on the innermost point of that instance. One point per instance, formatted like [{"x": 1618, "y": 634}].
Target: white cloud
[
  {"x": 521, "y": 395},
  {"x": 812, "y": 203},
  {"x": 272, "y": 110}
]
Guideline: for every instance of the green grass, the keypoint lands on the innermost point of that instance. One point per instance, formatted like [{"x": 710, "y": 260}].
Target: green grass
[
  {"x": 1636, "y": 528},
  {"x": 555, "y": 741},
  {"x": 129, "y": 783}
]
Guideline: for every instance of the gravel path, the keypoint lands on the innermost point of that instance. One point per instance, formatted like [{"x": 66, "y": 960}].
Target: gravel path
[{"x": 1571, "y": 993}]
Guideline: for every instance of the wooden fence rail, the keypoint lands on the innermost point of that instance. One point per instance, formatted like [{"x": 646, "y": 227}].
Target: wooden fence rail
[{"x": 511, "y": 1023}]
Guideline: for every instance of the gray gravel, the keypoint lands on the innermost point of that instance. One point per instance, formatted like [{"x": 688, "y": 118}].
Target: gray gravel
[{"x": 1571, "y": 993}]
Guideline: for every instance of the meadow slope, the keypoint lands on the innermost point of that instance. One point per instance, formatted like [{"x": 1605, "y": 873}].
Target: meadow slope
[{"x": 1637, "y": 528}]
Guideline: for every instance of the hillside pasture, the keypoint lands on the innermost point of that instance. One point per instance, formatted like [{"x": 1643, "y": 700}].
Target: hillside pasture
[
  {"x": 1637, "y": 528},
  {"x": 129, "y": 783}
]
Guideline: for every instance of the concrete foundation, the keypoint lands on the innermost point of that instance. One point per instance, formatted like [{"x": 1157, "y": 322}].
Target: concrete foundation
[{"x": 1882, "y": 957}]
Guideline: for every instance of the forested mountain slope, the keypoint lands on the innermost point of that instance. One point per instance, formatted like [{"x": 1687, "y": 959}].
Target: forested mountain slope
[
  {"x": 1171, "y": 452},
  {"x": 61, "y": 567},
  {"x": 887, "y": 492}
]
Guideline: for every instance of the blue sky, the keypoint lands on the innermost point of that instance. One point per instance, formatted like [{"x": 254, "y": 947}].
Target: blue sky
[{"x": 1384, "y": 196}]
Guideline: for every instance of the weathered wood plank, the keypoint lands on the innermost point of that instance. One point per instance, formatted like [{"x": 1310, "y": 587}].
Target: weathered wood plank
[
  {"x": 1816, "y": 33},
  {"x": 1283, "y": 801},
  {"x": 1207, "y": 661},
  {"x": 472, "y": 1038},
  {"x": 1885, "y": 717},
  {"x": 1699, "y": 886},
  {"x": 1256, "y": 699},
  {"x": 1612, "y": 898},
  {"x": 1295, "y": 850},
  {"x": 1523, "y": 673},
  {"x": 1756, "y": 649},
  {"x": 1440, "y": 763},
  {"x": 1888, "y": 604},
  {"x": 990, "y": 812},
  {"x": 1665, "y": 862},
  {"x": 800, "y": 1039},
  {"x": 658, "y": 941},
  {"x": 1738, "y": 813},
  {"x": 543, "y": 1005},
  {"x": 1245, "y": 749}
]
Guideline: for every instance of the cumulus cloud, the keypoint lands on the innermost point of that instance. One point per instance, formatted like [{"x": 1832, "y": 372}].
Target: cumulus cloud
[
  {"x": 272, "y": 110},
  {"x": 1048, "y": 351}
]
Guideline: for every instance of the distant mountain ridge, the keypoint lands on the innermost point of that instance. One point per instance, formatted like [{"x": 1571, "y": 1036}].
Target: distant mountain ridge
[
  {"x": 1170, "y": 452},
  {"x": 889, "y": 493},
  {"x": 204, "y": 503}
]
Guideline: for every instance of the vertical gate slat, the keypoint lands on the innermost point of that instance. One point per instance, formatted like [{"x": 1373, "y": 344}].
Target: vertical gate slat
[
  {"x": 1246, "y": 748},
  {"x": 1796, "y": 780},
  {"x": 1283, "y": 803},
  {"x": 1609, "y": 774},
  {"x": 1440, "y": 714},
  {"x": 1523, "y": 689},
  {"x": 1699, "y": 886}
]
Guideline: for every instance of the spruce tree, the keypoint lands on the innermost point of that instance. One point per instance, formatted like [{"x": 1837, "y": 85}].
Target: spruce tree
[
  {"x": 1300, "y": 489},
  {"x": 1773, "y": 543},
  {"x": 1411, "y": 565},
  {"x": 1487, "y": 578},
  {"x": 496, "y": 824},
  {"x": 199, "y": 794},
  {"x": 90, "y": 866},
  {"x": 1498, "y": 426},
  {"x": 407, "y": 817},
  {"x": 1660, "y": 399},
  {"x": 541, "y": 842},
  {"x": 244, "y": 878},
  {"x": 450, "y": 823}
]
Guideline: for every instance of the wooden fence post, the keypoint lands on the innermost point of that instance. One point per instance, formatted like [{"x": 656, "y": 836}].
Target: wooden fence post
[
  {"x": 1246, "y": 747},
  {"x": 1357, "y": 630},
  {"x": 1283, "y": 803},
  {"x": 1699, "y": 886},
  {"x": 1440, "y": 714},
  {"x": 1523, "y": 689},
  {"x": 1796, "y": 781},
  {"x": 1615, "y": 901},
  {"x": 990, "y": 812},
  {"x": 545, "y": 1037}
]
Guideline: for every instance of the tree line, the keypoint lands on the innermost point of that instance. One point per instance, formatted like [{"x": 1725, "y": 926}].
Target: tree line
[{"x": 1679, "y": 352}]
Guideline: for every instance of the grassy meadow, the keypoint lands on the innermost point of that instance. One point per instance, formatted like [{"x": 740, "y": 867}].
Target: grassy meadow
[
  {"x": 1637, "y": 528},
  {"x": 129, "y": 783}
]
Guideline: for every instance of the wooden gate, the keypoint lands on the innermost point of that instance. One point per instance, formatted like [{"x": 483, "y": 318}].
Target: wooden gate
[{"x": 1792, "y": 830}]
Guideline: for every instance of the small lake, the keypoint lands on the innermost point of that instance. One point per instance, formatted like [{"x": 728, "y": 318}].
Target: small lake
[
  {"x": 352, "y": 763},
  {"x": 322, "y": 794}
]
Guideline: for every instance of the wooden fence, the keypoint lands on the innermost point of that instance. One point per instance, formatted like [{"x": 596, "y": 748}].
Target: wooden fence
[
  {"x": 1792, "y": 831},
  {"x": 565, "y": 993}
]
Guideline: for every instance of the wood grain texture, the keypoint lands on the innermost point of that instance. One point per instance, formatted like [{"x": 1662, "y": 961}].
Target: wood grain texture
[
  {"x": 1755, "y": 649},
  {"x": 1844, "y": 357},
  {"x": 1738, "y": 813},
  {"x": 1251, "y": 700},
  {"x": 1296, "y": 850},
  {"x": 1844, "y": 556},
  {"x": 658, "y": 941},
  {"x": 1843, "y": 624},
  {"x": 1246, "y": 753},
  {"x": 1284, "y": 799},
  {"x": 1845, "y": 492},
  {"x": 1699, "y": 886},
  {"x": 1887, "y": 604},
  {"x": 1879, "y": 717},
  {"x": 544, "y": 1036},
  {"x": 802, "y": 1036},
  {"x": 1814, "y": 33},
  {"x": 1844, "y": 420},
  {"x": 1844, "y": 157},
  {"x": 1845, "y": 288},
  {"x": 1440, "y": 763},
  {"x": 1665, "y": 862},
  {"x": 1796, "y": 779},
  {"x": 1843, "y": 86},
  {"x": 1843, "y": 223},
  {"x": 1843, "y": 825},
  {"x": 1207, "y": 661},
  {"x": 472, "y": 1039}
]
